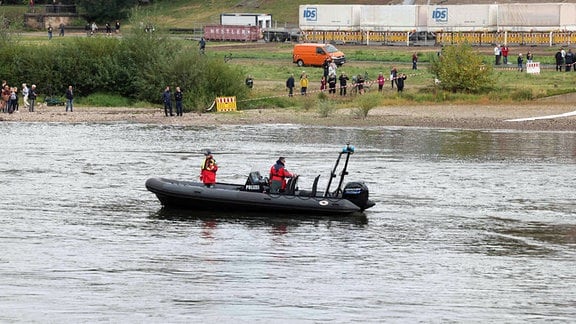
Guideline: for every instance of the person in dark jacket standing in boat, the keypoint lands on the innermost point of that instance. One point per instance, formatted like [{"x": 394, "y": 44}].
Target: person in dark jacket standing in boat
[
  {"x": 278, "y": 175},
  {"x": 208, "y": 170}
]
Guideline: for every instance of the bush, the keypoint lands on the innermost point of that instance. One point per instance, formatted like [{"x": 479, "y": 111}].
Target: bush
[
  {"x": 366, "y": 103},
  {"x": 325, "y": 108},
  {"x": 139, "y": 66},
  {"x": 460, "y": 69}
]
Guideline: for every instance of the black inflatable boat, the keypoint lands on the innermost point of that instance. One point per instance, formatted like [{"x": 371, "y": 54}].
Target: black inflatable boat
[{"x": 254, "y": 195}]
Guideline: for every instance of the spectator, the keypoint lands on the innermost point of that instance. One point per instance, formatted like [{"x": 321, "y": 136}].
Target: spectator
[
  {"x": 414, "y": 61},
  {"x": 50, "y": 31},
  {"x": 25, "y": 92},
  {"x": 393, "y": 74},
  {"x": 520, "y": 63},
  {"x": 32, "y": 95},
  {"x": 70, "y": 99},
  {"x": 559, "y": 60},
  {"x": 529, "y": 57},
  {"x": 202, "y": 45},
  {"x": 380, "y": 81},
  {"x": 332, "y": 83},
  {"x": 303, "y": 84},
  {"x": 497, "y": 54},
  {"x": 290, "y": 85},
  {"x": 569, "y": 60},
  {"x": 61, "y": 30},
  {"x": 505, "y": 54},
  {"x": 178, "y": 96},
  {"x": 400, "y": 82},
  {"x": 343, "y": 83},
  {"x": 167, "y": 99}
]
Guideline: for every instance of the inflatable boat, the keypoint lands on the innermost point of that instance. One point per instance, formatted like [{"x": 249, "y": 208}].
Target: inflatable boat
[{"x": 255, "y": 196}]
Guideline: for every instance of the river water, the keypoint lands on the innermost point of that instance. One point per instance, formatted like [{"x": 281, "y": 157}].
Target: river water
[{"x": 469, "y": 226}]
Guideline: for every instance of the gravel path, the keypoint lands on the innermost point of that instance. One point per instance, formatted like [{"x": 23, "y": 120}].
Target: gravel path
[{"x": 437, "y": 116}]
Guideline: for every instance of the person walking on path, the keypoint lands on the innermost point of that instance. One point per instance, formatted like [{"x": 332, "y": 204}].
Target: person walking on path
[
  {"x": 166, "y": 98},
  {"x": 70, "y": 99},
  {"x": 178, "y": 96},
  {"x": 202, "y": 44}
]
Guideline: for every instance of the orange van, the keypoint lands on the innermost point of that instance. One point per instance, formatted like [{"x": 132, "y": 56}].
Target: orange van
[{"x": 315, "y": 54}]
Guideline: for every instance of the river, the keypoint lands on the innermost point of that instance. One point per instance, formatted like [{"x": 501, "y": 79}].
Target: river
[{"x": 469, "y": 226}]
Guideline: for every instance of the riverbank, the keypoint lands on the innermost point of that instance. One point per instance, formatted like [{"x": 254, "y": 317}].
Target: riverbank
[{"x": 435, "y": 116}]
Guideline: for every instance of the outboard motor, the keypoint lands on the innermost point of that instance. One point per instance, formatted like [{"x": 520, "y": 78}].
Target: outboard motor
[{"x": 357, "y": 193}]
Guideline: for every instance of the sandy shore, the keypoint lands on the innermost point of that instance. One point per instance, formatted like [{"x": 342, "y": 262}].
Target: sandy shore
[{"x": 436, "y": 116}]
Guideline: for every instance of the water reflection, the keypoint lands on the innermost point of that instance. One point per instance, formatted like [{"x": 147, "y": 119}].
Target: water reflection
[{"x": 283, "y": 222}]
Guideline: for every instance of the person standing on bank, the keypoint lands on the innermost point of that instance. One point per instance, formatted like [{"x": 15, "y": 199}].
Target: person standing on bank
[
  {"x": 178, "y": 96},
  {"x": 69, "y": 99},
  {"x": 303, "y": 84},
  {"x": 400, "y": 82},
  {"x": 278, "y": 175},
  {"x": 167, "y": 99},
  {"x": 414, "y": 61},
  {"x": 208, "y": 170},
  {"x": 290, "y": 85},
  {"x": 343, "y": 83},
  {"x": 50, "y": 30},
  {"x": 32, "y": 97},
  {"x": 25, "y": 92},
  {"x": 520, "y": 63}
]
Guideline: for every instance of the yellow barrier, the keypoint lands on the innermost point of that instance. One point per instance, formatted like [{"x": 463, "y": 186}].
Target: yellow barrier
[{"x": 225, "y": 104}]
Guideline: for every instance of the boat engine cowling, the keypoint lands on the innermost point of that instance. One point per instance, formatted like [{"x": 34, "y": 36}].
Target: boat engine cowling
[{"x": 357, "y": 193}]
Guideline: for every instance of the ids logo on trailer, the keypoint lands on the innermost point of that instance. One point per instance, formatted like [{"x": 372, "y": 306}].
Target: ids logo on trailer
[
  {"x": 310, "y": 14},
  {"x": 440, "y": 14}
]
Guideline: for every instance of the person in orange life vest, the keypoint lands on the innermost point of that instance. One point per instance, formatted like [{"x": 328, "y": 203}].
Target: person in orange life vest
[
  {"x": 208, "y": 170},
  {"x": 278, "y": 175}
]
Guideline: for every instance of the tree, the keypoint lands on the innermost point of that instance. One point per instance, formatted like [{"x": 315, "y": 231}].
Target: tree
[
  {"x": 460, "y": 69},
  {"x": 104, "y": 11}
]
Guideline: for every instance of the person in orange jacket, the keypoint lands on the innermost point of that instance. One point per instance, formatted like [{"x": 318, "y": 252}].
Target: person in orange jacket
[
  {"x": 278, "y": 175},
  {"x": 208, "y": 170}
]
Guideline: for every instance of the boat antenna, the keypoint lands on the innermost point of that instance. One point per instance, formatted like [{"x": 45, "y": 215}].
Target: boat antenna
[{"x": 348, "y": 149}]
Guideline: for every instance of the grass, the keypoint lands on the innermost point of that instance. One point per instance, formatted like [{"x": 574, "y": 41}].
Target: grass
[{"x": 271, "y": 64}]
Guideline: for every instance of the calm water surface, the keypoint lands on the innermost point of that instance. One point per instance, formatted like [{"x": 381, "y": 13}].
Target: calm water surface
[{"x": 469, "y": 226}]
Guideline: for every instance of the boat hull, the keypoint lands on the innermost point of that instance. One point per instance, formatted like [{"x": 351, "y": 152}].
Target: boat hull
[{"x": 196, "y": 196}]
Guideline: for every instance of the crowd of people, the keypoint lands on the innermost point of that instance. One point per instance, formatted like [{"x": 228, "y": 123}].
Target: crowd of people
[
  {"x": 330, "y": 80},
  {"x": 10, "y": 101}
]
